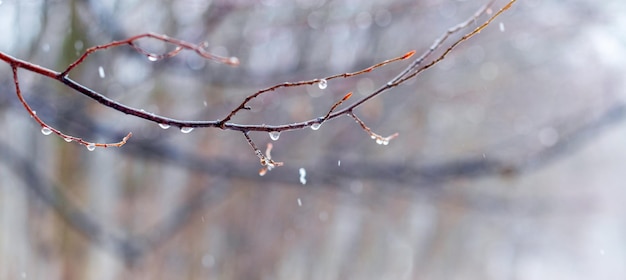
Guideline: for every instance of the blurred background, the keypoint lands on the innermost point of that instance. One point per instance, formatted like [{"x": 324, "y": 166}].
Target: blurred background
[{"x": 509, "y": 162}]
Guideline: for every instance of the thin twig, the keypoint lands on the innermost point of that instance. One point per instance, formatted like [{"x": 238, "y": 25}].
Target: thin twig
[
  {"x": 380, "y": 140},
  {"x": 180, "y": 44},
  {"x": 47, "y": 129},
  {"x": 266, "y": 159},
  {"x": 322, "y": 82}
]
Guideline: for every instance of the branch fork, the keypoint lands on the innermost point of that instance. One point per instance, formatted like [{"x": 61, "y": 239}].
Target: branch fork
[{"x": 414, "y": 68}]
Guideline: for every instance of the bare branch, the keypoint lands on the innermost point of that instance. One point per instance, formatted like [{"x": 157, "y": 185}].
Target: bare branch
[
  {"x": 322, "y": 84},
  {"x": 265, "y": 159},
  {"x": 380, "y": 140},
  {"x": 332, "y": 108},
  {"x": 47, "y": 130},
  {"x": 180, "y": 45},
  {"x": 412, "y": 70}
]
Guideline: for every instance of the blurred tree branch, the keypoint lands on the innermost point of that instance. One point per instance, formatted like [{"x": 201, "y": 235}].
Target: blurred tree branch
[{"x": 131, "y": 248}]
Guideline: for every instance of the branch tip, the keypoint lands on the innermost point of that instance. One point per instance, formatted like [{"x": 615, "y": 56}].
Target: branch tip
[
  {"x": 332, "y": 108},
  {"x": 408, "y": 54},
  {"x": 266, "y": 161},
  {"x": 380, "y": 140}
]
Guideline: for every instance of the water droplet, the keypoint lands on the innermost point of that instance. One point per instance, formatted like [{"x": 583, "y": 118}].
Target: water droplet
[
  {"x": 91, "y": 147},
  {"x": 101, "y": 72},
  {"x": 316, "y": 126},
  {"x": 34, "y": 112},
  {"x": 379, "y": 141},
  {"x": 501, "y": 26},
  {"x": 299, "y": 202},
  {"x": 46, "y": 131},
  {"x": 302, "y": 172},
  {"x": 385, "y": 142},
  {"x": 339, "y": 163},
  {"x": 153, "y": 57},
  {"x": 233, "y": 60},
  {"x": 322, "y": 84},
  {"x": 164, "y": 126},
  {"x": 186, "y": 129},
  {"x": 67, "y": 140},
  {"x": 373, "y": 137},
  {"x": 274, "y": 135}
]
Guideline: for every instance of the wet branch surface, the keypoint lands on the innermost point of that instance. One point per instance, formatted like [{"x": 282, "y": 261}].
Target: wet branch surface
[
  {"x": 134, "y": 247},
  {"x": 416, "y": 67}
]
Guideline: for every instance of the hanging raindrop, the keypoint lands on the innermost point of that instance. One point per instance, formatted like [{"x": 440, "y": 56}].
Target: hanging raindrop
[
  {"x": 164, "y": 126},
  {"x": 316, "y": 126},
  {"x": 322, "y": 84},
  {"x": 186, "y": 129},
  {"x": 91, "y": 147},
  {"x": 274, "y": 135},
  {"x": 46, "y": 131},
  {"x": 152, "y": 57},
  {"x": 67, "y": 139}
]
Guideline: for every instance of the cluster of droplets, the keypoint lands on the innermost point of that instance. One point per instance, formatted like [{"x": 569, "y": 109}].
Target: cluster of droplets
[
  {"x": 47, "y": 131},
  {"x": 381, "y": 140},
  {"x": 184, "y": 129}
]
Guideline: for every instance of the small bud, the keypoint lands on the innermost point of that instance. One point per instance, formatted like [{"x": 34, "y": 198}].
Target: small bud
[{"x": 408, "y": 55}]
